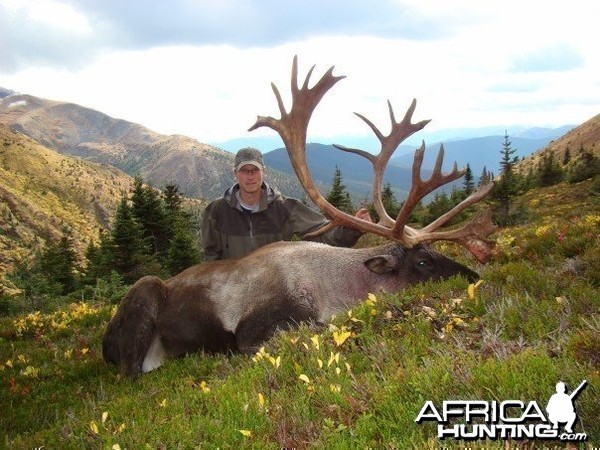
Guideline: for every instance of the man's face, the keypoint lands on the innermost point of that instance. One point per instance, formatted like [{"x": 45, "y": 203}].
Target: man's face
[{"x": 250, "y": 178}]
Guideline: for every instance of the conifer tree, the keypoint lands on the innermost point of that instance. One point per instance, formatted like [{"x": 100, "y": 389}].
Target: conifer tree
[
  {"x": 338, "y": 196},
  {"x": 469, "y": 183},
  {"x": 57, "y": 263},
  {"x": 507, "y": 186},
  {"x": 390, "y": 203},
  {"x": 183, "y": 249},
  {"x": 147, "y": 209},
  {"x": 130, "y": 250}
]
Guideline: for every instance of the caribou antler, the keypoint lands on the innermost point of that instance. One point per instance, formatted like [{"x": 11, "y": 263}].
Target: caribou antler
[{"x": 292, "y": 127}]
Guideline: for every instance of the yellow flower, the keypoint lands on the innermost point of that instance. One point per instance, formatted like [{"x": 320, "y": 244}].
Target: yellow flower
[{"x": 204, "y": 387}]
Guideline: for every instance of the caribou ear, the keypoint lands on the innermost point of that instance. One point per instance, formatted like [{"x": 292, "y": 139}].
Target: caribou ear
[{"x": 381, "y": 264}]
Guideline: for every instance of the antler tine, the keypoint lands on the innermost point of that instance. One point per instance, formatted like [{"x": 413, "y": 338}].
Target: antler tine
[{"x": 421, "y": 188}]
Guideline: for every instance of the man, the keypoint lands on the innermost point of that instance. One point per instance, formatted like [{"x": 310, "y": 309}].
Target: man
[{"x": 252, "y": 214}]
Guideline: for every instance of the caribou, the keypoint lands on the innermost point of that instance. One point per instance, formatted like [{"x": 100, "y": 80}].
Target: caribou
[{"x": 236, "y": 305}]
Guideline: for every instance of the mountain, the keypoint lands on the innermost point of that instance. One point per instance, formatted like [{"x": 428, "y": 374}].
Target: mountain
[
  {"x": 478, "y": 152},
  {"x": 42, "y": 192},
  {"x": 357, "y": 172},
  {"x": 73, "y": 130}
]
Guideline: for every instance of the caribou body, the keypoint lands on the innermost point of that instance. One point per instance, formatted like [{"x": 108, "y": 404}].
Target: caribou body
[{"x": 236, "y": 305}]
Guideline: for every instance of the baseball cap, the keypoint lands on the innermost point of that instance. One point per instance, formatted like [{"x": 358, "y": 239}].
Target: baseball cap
[{"x": 249, "y": 155}]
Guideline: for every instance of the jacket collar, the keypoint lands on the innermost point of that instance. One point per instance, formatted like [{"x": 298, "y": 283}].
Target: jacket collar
[{"x": 268, "y": 196}]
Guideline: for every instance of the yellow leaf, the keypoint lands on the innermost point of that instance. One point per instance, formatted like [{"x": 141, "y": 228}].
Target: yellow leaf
[
  {"x": 320, "y": 363},
  {"x": 9, "y": 363},
  {"x": 121, "y": 428},
  {"x": 163, "y": 404},
  {"x": 94, "y": 427},
  {"x": 340, "y": 337},
  {"x": 304, "y": 378},
  {"x": 333, "y": 358},
  {"x": 315, "y": 341},
  {"x": 471, "y": 289},
  {"x": 246, "y": 433},
  {"x": 261, "y": 400},
  {"x": 104, "y": 416},
  {"x": 371, "y": 299},
  {"x": 116, "y": 447},
  {"x": 336, "y": 388},
  {"x": 294, "y": 340},
  {"x": 204, "y": 387}
]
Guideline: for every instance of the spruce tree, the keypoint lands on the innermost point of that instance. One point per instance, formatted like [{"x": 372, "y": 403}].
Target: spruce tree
[
  {"x": 131, "y": 254},
  {"x": 507, "y": 186},
  {"x": 338, "y": 196},
  {"x": 183, "y": 249},
  {"x": 390, "y": 203},
  {"x": 469, "y": 183},
  {"x": 147, "y": 209}
]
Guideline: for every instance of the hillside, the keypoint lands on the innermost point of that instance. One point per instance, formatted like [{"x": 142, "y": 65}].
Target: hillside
[
  {"x": 586, "y": 136},
  {"x": 359, "y": 382},
  {"x": 41, "y": 192},
  {"x": 91, "y": 135}
]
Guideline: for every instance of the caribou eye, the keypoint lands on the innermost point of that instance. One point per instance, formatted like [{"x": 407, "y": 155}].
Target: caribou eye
[{"x": 423, "y": 265}]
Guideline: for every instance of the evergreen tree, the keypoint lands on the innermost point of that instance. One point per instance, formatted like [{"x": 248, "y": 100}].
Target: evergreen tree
[
  {"x": 507, "y": 186},
  {"x": 147, "y": 209},
  {"x": 183, "y": 249},
  {"x": 338, "y": 196},
  {"x": 131, "y": 255},
  {"x": 550, "y": 172},
  {"x": 57, "y": 263},
  {"x": 567, "y": 157},
  {"x": 469, "y": 183},
  {"x": 390, "y": 203}
]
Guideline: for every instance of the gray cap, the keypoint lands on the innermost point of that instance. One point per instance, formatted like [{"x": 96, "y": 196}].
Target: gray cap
[{"x": 249, "y": 155}]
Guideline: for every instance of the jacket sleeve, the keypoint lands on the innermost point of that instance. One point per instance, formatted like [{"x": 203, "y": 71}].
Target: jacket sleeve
[
  {"x": 212, "y": 247},
  {"x": 304, "y": 220}
]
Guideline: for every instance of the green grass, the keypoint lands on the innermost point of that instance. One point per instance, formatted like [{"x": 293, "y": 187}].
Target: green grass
[{"x": 534, "y": 320}]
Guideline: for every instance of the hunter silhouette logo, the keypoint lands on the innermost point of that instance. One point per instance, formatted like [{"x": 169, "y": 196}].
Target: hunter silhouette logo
[
  {"x": 509, "y": 419},
  {"x": 560, "y": 406}
]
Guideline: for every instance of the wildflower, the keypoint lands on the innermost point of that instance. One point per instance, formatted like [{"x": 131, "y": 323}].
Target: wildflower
[{"x": 204, "y": 387}]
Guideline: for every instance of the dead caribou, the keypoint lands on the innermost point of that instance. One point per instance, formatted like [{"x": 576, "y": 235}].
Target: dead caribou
[{"x": 235, "y": 305}]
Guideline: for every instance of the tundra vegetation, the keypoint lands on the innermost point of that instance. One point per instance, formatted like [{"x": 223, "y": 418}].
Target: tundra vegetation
[{"x": 534, "y": 320}]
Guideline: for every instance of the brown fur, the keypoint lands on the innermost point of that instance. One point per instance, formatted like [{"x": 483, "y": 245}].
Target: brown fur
[{"x": 236, "y": 305}]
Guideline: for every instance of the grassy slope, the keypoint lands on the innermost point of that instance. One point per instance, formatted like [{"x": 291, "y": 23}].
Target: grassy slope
[{"x": 535, "y": 320}]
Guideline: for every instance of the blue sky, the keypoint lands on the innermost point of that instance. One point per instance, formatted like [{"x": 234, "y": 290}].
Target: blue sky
[{"x": 203, "y": 68}]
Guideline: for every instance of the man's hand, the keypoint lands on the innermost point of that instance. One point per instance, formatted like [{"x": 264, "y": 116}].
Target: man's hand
[{"x": 363, "y": 213}]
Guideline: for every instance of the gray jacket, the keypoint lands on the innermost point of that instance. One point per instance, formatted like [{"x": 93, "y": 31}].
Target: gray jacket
[{"x": 228, "y": 231}]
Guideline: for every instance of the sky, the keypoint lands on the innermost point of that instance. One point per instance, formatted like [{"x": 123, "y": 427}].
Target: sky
[{"x": 203, "y": 68}]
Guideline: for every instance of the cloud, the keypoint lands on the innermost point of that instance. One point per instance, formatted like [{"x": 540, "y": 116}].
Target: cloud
[
  {"x": 71, "y": 33},
  {"x": 558, "y": 57}
]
